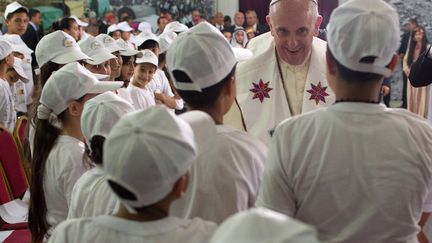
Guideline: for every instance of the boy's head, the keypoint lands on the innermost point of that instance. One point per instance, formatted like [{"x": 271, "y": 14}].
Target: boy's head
[
  {"x": 147, "y": 40},
  {"x": 125, "y": 30},
  {"x": 363, "y": 37},
  {"x": 100, "y": 56},
  {"x": 16, "y": 72},
  {"x": 6, "y": 54},
  {"x": 145, "y": 163},
  {"x": 239, "y": 36},
  {"x": 145, "y": 69},
  {"x": 17, "y": 18},
  {"x": 202, "y": 64}
]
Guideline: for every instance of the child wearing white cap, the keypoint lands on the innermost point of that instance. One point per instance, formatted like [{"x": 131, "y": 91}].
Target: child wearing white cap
[
  {"x": 100, "y": 57},
  {"x": 16, "y": 78},
  {"x": 146, "y": 67},
  {"x": 17, "y": 18},
  {"x": 261, "y": 225},
  {"x": 147, "y": 167},
  {"x": 91, "y": 195},
  {"x": 114, "y": 31},
  {"x": 226, "y": 179},
  {"x": 126, "y": 33},
  {"x": 7, "y": 109},
  {"x": 128, "y": 56},
  {"x": 357, "y": 171},
  {"x": 59, "y": 148}
]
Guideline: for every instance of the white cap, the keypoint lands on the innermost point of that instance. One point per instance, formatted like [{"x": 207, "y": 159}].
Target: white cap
[
  {"x": 145, "y": 27},
  {"x": 72, "y": 82},
  {"x": 148, "y": 159},
  {"x": 175, "y": 26},
  {"x": 165, "y": 41},
  {"x": 203, "y": 54},
  {"x": 364, "y": 28},
  {"x": 128, "y": 51},
  {"x": 12, "y": 7},
  {"x": 17, "y": 66},
  {"x": 110, "y": 44},
  {"x": 145, "y": 36},
  {"x": 261, "y": 225},
  {"x": 148, "y": 57},
  {"x": 242, "y": 54},
  {"x": 59, "y": 48},
  {"x": 79, "y": 22},
  {"x": 112, "y": 28},
  {"x": 124, "y": 26},
  {"x": 95, "y": 50},
  {"x": 101, "y": 113},
  {"x": 18, "y": 45},
  {"x": 5, "y": 49}
]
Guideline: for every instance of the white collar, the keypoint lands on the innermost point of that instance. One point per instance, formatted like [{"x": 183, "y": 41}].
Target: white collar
[{"x": 357, "y": 107}]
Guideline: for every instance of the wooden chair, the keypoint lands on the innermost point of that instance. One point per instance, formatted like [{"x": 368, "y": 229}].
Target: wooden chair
[{"x": 20, "y": 136}]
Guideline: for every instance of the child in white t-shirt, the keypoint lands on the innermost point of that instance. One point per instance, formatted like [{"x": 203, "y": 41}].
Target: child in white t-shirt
[
  {"x": 16, "y": 78},
  {"x": 7, "y": 107},
  {"x": 145, "y": 69},
  {"x": 147, "y": 167},
  {"x": 91, "y": 195},
  {"x": 58, "y": 144}
]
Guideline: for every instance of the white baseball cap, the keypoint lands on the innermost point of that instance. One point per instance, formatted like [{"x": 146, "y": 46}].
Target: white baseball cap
[
  {"x": 364, "y": 28},
  {"x": 110, "y": 44},
  {"x": 203, "y": 54},
  {"x": 112, "y": 28},
  {"x": 260, "y": 225},
  {"x": 127, "y": 50},
  {"x": 79, "y": 22},
  {"x": 148, "y": 57},
  {"x": 145, "y": 36},
  {"x": 96, "y": 50},
  {"x": 101, "y": 113},
  {"x": 5, "y": 49},
  {"x": 18, "y": 45},
  {"x": 12, "y": 7},
  {"x": 124, "y": 26},
  {"x": 72, "y": 82},
  {"x": 148, "y": 151},
  {"x": 59, "y": 48},
  {"x": 165, "y": 41},
  {"x": 17, "y": 66},
  {"x": 176, "y": 27},
  {"x": 145, "y": 27}
]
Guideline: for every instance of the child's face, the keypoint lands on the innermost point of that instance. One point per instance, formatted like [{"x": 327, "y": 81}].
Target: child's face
[
  {"x": 115, "y": 65},
  {"x": 143, "y": 74},
  {"x": 116, "y": 35},
  {"x": 239, "y": 37},
  {"x": 127, "y": 70},
  {"x": 155, "y": 50},
  {"x": 12, "y": 76},
  {"x": 250, "y": 35},
  {"x": 125, "y": 35},
  {"x": 18, "y": 23},
  {"x": 228, "y": 36},
  {"x": 73, "y": 31}
]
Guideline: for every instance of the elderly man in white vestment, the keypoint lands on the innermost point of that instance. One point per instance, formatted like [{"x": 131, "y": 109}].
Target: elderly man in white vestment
[{"x": 287, "y": 75}]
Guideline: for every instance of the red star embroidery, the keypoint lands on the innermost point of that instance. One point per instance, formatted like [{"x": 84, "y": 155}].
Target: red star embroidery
[
  {"x": 261, "y": 90},
  {"x": 318, "y": 93}
]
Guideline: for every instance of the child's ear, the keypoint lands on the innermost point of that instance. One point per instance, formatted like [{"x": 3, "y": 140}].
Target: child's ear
[
  {"x": 230, "y": 87},
  {"x": 75, "y": 108},
  {"x": 180, "y": 186}
]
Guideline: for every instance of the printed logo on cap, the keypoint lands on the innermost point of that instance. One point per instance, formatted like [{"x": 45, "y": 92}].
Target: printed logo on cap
[
  {"x": 148, "y": 54},
  {"x": 95, "y": 45},
  {"x": 107, "y": 40},
  {"x": 67, "y": 42}
]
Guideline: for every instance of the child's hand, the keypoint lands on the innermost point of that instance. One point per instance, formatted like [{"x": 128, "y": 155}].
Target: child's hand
[{"x": 159, "y": 98}]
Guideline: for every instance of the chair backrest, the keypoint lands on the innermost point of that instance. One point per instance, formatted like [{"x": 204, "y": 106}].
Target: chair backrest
[
  {"x": 10, "y": 160},
  {"x": 20, "y": 129},
  {"x": 5, "y": 193},
  {"x": 20, "y": 136}
]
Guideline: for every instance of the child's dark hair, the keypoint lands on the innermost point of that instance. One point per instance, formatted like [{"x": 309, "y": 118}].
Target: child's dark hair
[
  {"x": 94, "y": 153},
  {"x": 20, "y": 10},
  {"x": 148, "y": 44},
  {"x": 203, "y": 99},
  {"x": 63, "y": 24},
  {"x": 46, "y": 136},
  {"x": 355, "y": 76}
]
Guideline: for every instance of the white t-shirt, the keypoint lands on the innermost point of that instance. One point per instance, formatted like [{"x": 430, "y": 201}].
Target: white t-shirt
[
  {"x": 160, "y": 84},
  {"x": 226, "y": 179},
  {"x": 63, "y": 168},
  {"x": 113, "y": 229},
  {"x": 357, "y": 172},
  {"x": 92, "y": 196},
  {"x": 7, "y": 106},
  {"x": 124, "y": 94},
  {"x": 141, "y": 98}
]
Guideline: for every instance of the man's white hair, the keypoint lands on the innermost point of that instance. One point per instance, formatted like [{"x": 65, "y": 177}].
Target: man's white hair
[{"x": 313, "y": 7}]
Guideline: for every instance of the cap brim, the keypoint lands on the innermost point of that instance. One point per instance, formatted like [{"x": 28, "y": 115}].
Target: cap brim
[
  {"x": 100, "y": 58},
  {"x": 21, "y": 49},
  {"x": 20, "y": 72},
  {"x": 69, "y": 57},
  {"x": 101, "y": 77},
  {"x": 126, "y": 29},
  {"x": 114, "y": 49},
  {"x": 104, "y": 86},
  {"x": 242, "y": 54},
  {"x": 203, "y": 127},
  {"x": 129, "y": 53}
]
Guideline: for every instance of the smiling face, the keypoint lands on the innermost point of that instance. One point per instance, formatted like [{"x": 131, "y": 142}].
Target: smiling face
[
  {"x": 293, "y": 25},
  {"x": 143, "y": 74}
]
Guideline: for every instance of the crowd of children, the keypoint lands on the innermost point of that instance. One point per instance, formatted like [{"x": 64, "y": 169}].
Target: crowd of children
[{"x": 113, "y": 160}]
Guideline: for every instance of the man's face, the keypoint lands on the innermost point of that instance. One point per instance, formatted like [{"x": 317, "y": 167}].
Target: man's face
[
  {"x": 162, "y": 23},
  {"x": 239, "y": 19},
  {"x": 293, "y": 27},
  {"x": 37, "y": 19},
  {"x": 18, "y": 23},
  {"x": 251, "y": 19},
  {"x": 410, "y": 26},
  {"x": 196, "y": 16},
  {"x": 219, "y": 18}
]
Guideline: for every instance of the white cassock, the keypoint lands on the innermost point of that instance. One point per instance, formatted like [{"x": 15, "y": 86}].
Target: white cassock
[{"x": 262, "y": 97}]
